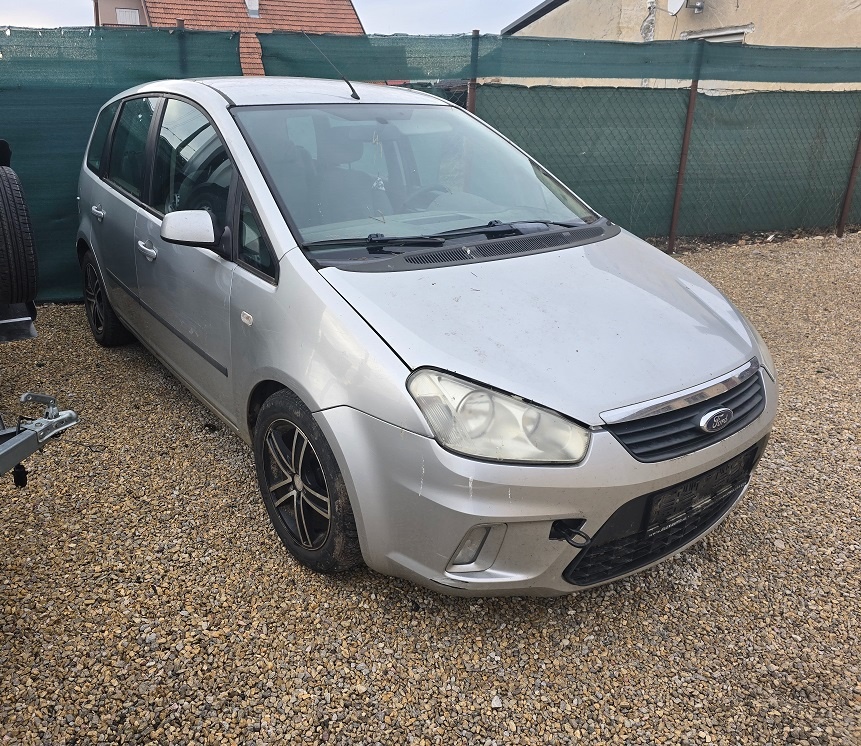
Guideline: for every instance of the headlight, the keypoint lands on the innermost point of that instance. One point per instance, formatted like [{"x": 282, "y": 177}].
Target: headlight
[
  {"x": 476, "y": 421},
  {"x": 764, "y": 355}
]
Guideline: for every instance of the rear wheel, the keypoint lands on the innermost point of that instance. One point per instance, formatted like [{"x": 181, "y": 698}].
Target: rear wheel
[
  {"x": 18, "y": 266},
  {"x": 302, "y": 486},
  {"x": 106, "y": 328}
]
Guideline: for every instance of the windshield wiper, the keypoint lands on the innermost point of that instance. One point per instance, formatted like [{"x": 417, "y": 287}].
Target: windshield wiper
[
  {"x": 514, "y": 228},
  {"x": 493, "y": 228},
  {"x": 375, "y": 242}
]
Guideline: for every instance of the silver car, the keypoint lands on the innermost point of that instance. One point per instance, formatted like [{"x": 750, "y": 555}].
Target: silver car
[{"x": 448, "y": 366}]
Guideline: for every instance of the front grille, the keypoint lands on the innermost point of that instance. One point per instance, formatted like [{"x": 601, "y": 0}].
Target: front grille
[
  {"x": 655, "y": 525},
  {"x": 677, "y": 433}
]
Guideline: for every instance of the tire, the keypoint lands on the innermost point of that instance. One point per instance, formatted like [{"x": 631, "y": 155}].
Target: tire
[
  {"x": 106, "y": 328},
  {"x": 302, "y": 486},
  {"x": 18, "y": 266}
]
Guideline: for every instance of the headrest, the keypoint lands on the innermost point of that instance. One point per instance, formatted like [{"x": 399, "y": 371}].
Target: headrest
[{"x": 338, "y": 148}]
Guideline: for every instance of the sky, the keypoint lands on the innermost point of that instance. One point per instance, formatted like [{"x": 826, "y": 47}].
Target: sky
[{"x": 378, "y": 16}]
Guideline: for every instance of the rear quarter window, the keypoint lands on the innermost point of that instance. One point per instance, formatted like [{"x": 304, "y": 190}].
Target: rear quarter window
[{"x": 100, "y": 136}]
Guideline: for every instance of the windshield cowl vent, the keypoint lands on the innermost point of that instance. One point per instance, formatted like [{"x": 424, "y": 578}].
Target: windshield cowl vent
[
  {"x": 475, "y": 252},
  {"x": 444, "y": 256},
  {"x": 507, "y": 246}
]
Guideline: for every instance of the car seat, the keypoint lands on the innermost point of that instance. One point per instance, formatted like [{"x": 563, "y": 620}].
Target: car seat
[{"x": 346, "y": 193}]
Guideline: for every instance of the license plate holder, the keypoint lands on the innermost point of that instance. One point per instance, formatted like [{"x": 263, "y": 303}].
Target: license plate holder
[{"x": 675, "y": 504}]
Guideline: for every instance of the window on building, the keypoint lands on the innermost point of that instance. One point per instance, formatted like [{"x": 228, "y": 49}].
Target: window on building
[{"x": 128, "y": 17}]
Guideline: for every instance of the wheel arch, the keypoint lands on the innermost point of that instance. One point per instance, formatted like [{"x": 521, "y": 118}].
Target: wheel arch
[
  {"x": 259, "y": 394},
  {"x": 347, "y": 546},
  {"x": 82, "y": 248}
]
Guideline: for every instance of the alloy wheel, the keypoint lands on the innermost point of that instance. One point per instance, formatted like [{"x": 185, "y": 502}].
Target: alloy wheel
[
  {"x": 297, "y": 485},
  {"x": 94, "y": 299}
]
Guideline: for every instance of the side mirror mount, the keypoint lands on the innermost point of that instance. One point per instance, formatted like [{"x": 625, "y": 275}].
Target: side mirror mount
[{"x": 191, "y": 228}]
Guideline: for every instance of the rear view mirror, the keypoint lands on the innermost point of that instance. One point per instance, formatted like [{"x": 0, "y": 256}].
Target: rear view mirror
[{"x": 190, "y": 228}]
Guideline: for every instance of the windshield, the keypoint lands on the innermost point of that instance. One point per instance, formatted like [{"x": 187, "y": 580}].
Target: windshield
[{"x": 348, "y": 171}]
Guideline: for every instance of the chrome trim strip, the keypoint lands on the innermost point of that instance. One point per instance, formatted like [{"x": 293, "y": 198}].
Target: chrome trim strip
[{"x": 684, "y": 398}]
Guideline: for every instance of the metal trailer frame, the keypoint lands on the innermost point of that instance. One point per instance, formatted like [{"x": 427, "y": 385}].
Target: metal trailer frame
[{"x": 28, "y": 436}]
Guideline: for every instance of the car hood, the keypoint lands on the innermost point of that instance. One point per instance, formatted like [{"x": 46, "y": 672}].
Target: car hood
[{"x": 580, "y": 330}]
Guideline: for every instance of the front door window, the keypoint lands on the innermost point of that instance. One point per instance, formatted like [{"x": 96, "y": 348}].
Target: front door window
[{"x": 192, "y": 168}]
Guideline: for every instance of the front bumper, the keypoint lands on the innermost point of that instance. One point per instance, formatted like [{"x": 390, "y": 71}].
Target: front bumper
[{"x": 415, "y": 502}]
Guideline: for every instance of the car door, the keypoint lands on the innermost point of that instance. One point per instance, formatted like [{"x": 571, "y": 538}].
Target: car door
[
  {"x": 186, "y": 289},
  {"x": 114, "y": 202}
]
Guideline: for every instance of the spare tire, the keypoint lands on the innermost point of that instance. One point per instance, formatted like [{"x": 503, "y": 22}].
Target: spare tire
[{"x": 18, "y": 268}]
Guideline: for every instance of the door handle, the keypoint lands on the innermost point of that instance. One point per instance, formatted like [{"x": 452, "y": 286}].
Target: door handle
[
  {"x": 148, "y": 250},
  {"x": 98, "y": 212}
]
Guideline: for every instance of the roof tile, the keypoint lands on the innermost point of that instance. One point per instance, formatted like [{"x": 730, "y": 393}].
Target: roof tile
[{"x": 314, "y": 16}]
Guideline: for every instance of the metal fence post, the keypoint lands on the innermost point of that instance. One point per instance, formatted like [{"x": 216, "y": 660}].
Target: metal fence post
[
  {"x": 850, "y": 189},
  {"x": 473, "y": 81},
  {"x": 183, "y": 55},
  {"x": 686, "y": 141}
]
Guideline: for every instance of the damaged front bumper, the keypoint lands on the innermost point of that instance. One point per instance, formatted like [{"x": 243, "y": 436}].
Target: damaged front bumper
[{"x": 467, "y": 527}]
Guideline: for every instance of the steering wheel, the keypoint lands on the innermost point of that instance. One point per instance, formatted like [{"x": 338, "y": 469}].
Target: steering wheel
[{"x": 416, "y": 200}]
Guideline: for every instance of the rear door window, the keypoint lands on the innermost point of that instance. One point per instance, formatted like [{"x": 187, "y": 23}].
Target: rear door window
[
  {"x": 126, "y": 167},
  {"x": 100, "y": 136}
]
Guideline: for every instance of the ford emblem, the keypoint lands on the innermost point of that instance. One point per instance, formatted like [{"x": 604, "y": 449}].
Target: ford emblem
[{"x": 716, "y": 420}]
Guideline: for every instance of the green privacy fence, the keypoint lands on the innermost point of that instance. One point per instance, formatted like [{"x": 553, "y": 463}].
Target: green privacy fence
[
  {"x": 52, "y": 84},
  {"x": 770, "y": 162},
  {"x": 435, "y": 57},
  {"x": 773, "y": 160},
  {"x": 618, "y": 148},
  {"x": 757, "y": 161}
]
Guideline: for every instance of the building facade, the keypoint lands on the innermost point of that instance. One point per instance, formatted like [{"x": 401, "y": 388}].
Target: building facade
[
  {"x": 246, "y": 16},
  {"x": 796, "y": 23}
]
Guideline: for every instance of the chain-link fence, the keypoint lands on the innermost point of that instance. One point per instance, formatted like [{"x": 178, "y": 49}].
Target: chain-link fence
[
  {"x": 618, "y": 148},
  {"x": 487, "y": 56},
  {"x": 775, "y": 160},
  {"x": 757, "y": 160},
  {"x": 769, "y": 161}
]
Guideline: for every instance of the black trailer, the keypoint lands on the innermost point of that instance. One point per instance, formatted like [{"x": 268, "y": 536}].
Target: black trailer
[{"x": 18, "y": 277}]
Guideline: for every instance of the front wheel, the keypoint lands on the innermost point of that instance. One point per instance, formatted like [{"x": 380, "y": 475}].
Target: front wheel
[{"x": 302, "y": 486}]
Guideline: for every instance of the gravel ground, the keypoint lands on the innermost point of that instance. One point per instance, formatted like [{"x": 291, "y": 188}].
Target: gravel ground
[{"x": 144, "y": 597}]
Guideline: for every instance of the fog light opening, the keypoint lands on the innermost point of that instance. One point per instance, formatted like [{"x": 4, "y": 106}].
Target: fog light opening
[{"x": 471, "y": 546}]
